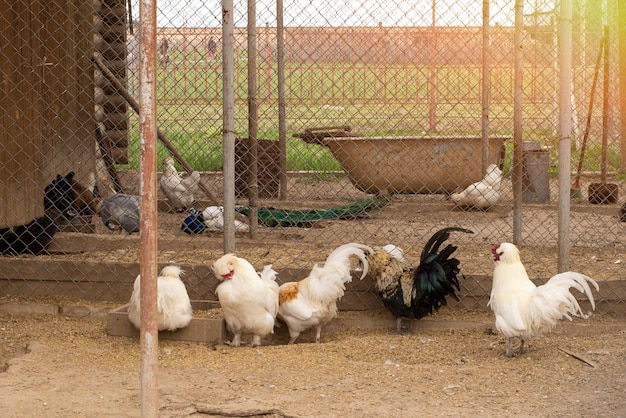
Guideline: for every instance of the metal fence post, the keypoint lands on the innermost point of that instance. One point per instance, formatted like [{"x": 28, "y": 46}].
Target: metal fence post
[
  {"x": 228, "y": 131},
  {"x": 148, "y": 226},
  {"x": 565, "y": 130}
]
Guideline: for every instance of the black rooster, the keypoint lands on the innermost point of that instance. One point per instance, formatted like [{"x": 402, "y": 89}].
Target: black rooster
[
  {"x": 31, "y": 238},
  {"x": 64, "y": 199},
  {"x": 414, "y": 293}
]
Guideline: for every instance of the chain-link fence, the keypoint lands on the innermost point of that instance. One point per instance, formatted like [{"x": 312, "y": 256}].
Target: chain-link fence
[{"x": 384, "y": 114}]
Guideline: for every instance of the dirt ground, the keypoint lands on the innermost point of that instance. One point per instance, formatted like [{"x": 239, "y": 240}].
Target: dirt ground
[
  {"x": 449, "y": 364},
  {"x": 453, "y": 363}
]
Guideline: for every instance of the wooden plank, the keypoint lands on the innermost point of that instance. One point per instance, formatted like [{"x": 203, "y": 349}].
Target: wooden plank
[
  {"x": 205, "y": 330},
  {"x": 480, "y": 285},
  {"x": 114, "y": 281},
  {"x": 12, "y": 308},
  {"x": 109, "y": 292}
]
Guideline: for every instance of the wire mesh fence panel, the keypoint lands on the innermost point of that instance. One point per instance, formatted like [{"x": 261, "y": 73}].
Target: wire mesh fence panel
[{"x": 393, "y": 120}]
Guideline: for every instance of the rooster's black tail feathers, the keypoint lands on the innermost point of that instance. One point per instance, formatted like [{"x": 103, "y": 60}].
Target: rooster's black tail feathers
[
  {"x": 438, "y": 238},
  {"x": 436, "y": 276}
]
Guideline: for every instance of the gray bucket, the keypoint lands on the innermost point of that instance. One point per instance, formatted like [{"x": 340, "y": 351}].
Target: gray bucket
[{"x": 535, "y": 177}]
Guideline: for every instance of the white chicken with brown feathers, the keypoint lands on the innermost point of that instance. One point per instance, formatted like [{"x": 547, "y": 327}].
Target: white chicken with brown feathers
[
  {"x": 249, "y": 299},
  {"x": 483, "y": 194},
  {"x": 173, "y": 304},
  {"x": 312, "y": 301},
  {"x": 179, "y": 190},
  {"x": 524, "y": 310}
]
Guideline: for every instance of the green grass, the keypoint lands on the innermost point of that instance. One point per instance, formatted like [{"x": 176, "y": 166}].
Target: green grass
[
  {"x": 373, "y": 99},
  {"x": 204, "y": 152}
]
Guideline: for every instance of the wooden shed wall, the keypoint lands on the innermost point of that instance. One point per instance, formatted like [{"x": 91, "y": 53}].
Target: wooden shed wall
[
  {"x": 46, "y": 113},
  {"x": 20, "y": 114},
  {"x": 67, "y": 87}
]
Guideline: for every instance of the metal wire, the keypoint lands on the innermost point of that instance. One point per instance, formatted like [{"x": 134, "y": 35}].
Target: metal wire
[{"x": 332, "y": 79}]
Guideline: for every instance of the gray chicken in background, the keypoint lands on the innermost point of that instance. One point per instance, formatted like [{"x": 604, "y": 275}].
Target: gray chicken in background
[{"x": 121, "y": 211}]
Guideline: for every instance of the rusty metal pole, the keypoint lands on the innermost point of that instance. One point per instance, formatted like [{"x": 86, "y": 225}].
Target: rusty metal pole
[
  {"x": 565, "y": 131},
  {"x": 228, "y": 117},
  {"x": 148, "y": 238}
]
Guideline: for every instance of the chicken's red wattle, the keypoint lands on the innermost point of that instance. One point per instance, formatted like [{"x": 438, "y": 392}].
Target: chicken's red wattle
[{"x": 494, "y": 252}]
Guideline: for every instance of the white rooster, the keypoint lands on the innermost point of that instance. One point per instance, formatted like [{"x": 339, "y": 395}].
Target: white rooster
[
  {"x": 524, "y": 310},
  {"x": 179, "y": 190},
  {"x": 173, "y": 304},
  {"x": 483, "y": 194},
  {"x": 249, "y": 300},
  {"x": 313, "y": 300}
]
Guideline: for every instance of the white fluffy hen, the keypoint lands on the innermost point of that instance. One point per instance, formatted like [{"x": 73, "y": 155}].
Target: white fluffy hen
[
  {"x": 313, "y": 300},
  {"x": 214, "y": 220},
  {"x": 483, "y": 194},
  {"x": 173, "y": 304},
  {"x": 249, "y": 300},
  {"x": 524, "y": 310},
  {"x": 179, "y": 190}
]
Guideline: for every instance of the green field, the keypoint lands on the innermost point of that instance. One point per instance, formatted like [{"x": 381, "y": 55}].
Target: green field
[{"x": 373, "y": 100}]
